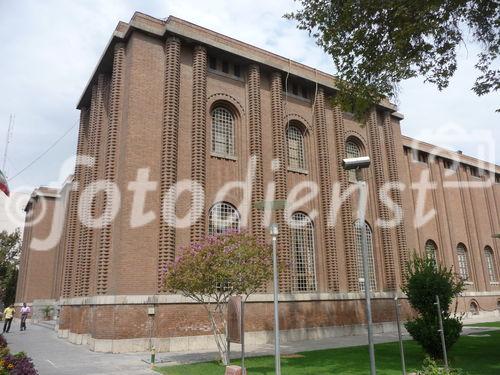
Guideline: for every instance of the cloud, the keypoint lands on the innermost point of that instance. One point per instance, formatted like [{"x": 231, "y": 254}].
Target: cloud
[{"x": 50, "y": 49}]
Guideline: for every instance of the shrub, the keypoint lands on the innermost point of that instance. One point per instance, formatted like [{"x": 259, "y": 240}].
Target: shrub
[
  {"x": 431, "y": 368},
  {"x": 425, "y": 281},
  {"x": 18, "y": 364}
]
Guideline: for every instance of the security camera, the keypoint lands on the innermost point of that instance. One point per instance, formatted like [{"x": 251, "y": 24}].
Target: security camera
[{"x": 356, "y": 163}]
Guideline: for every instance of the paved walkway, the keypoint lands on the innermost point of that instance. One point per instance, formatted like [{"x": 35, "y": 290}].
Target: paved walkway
[{"x": 54, "y": 356}]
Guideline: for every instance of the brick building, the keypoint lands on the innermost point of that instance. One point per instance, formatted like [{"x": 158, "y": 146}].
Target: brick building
[{"x": 170, "y": 101}]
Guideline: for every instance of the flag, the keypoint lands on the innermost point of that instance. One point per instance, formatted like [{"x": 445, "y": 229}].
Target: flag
[{"x": 3, "y": 184}]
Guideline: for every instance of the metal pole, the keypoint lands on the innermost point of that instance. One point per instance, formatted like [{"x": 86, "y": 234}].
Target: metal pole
[
  {"x": 366, "y": 276},
  {"x": 242, "y": 335},
  {"x": 400, "y": 337},
  {"x": 277, "y": 361},
  {"x": 441, "y": 332}
]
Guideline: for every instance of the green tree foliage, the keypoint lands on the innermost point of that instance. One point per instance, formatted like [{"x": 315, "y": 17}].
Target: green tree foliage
[
  {"x": 377, "y": 44},
  {"x": 425, "y": 281},
  {"x": 217, "y": 268},
  {"x": 10, "y": 249}
]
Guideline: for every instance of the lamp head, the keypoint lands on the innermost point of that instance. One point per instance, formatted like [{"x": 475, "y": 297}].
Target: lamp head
[
  {"x": 356, "y": 163},
  {"x": 273, "y": 230}
]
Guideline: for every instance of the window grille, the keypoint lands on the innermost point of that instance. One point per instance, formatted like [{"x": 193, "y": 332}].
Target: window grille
[
  {"x": 222, "y": 131},
  {"x": 295, "y": 139},
  {"x": 490, "y": 263},
  {"x": 302, "y": 243},
  {"x": 463, "y": 263},
  {"x": 371, "y": 261},
  {"x": 352, "y": 150},
  {"x": 430, "y": 251},
  {"x": 222, "y": 217}
]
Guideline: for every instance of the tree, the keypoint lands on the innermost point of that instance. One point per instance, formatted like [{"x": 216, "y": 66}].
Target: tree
[
  {"x": 10, "y": 249},
  {"x": 217, "y": 268},
  {"x": 425, "y": 280},
  {"x": 377, "y": 44}
]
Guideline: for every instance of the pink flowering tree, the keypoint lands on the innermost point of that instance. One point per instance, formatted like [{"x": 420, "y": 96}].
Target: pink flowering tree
[{"x": 211, "y": 271}]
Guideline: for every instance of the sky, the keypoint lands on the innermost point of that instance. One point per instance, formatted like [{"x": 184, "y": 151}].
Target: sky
[{"x": 50, "y": 48}]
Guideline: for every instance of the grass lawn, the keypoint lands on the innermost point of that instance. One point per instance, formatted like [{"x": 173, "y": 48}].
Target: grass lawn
[
  {"x": 476, "y": 355},
  {"x": 490, "y": 324}
]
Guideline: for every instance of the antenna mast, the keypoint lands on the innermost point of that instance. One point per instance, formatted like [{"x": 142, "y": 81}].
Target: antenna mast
[{"x": 7, "y": 140}]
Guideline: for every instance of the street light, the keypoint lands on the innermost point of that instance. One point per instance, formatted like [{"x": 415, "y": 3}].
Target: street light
[
  {"x": 358, "y": 164},
  {"x": 273, "y": 230},
  {"x": 275, "y": 205}
]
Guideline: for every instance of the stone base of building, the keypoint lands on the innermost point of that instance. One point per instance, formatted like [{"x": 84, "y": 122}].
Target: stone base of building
[{"x": 120, "y": 324}]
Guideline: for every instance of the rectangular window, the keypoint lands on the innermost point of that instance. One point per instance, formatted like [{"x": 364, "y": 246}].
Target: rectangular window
[
  {"x": 212, "y": 63},
  {"x": 295, "y": 89},
  {"x": 497, "y": 178},
  {"x": 225, "y": 66},
  {"x": 237, "y": 71},
  {"x": 474, "y": 171},
  {"x": 304, "y": 92},
  {"x": 447, "y": 164},
  {"x": 422, "y": 156}
]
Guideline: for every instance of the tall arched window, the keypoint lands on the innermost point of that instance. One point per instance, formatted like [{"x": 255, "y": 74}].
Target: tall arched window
[
  {"x": 222, "y": 131},
  {"x": 463, "y": 261},
  {"x": 371, "y": 261},
  {"x": 352, "y": 150},
  {"x": 490, "y": 264},
  {"x": 295, "y": 143},
  {"x": 302, "y": 244},
  {"x": 430, "y": 250},
  {"x": 222, "y": 217}
]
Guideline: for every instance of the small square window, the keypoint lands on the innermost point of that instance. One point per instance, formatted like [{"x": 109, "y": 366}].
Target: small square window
[
  {"x": 474, "y": 171},
  {"x": 237, "y": 71},
  {"x": 304, "y": 93},
  {"x": 450, "y": 164},
  {"x": 212, "y": 62},
  {"x": 422, "y": 156},
  {"x": 225, "y": 67}
]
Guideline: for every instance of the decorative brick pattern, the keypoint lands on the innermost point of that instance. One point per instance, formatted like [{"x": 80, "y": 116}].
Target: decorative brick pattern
[
  {"x": 326, "y": 190},
  {"x": 346, "y": 208},
  {"x": 72, "y": 237},
  {"x": 105, "y": 238},
  {"x": 84, "y": 233},
  {"x": 199, "y": 137},
  {"x": 168, "y": 177},
  {"x": 255, "y": 129},
  {"x": 378, "y": 168},
  {"x": 396, "y": 194},
  {"x": 279, "y": 154}
]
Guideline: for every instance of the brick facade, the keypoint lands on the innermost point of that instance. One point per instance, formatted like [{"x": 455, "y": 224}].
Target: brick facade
[{"x": 148, "y": 107}]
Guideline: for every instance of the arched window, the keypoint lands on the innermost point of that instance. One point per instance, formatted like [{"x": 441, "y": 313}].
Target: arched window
[
  {"x": 473, "y": 308},
  {"x": 371, "y": 261},
  {"x": 463, "y": 262},
  {"x": 222, "y": 131},
  {"x": 222, "y": 217},
  {"x": 295, "y": 143},
  {"x": 302, "y": 244},
  {"x": 490, "y": 264},
  {"x": 430, "y": 250},
  {"x": 352, "y": 150}
]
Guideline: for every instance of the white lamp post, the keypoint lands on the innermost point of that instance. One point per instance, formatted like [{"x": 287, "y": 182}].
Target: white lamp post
[
  {"x": 358, "y": 164},
  {"x": 273, "y": 230}
]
